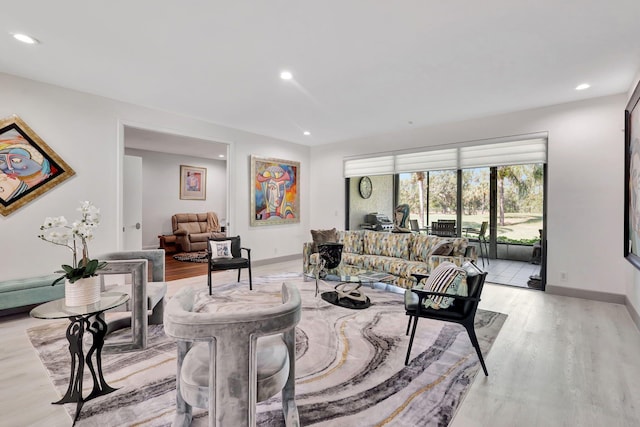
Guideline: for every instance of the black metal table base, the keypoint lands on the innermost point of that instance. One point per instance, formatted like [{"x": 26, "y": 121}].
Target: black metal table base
[{"x": 95, "y": 324}]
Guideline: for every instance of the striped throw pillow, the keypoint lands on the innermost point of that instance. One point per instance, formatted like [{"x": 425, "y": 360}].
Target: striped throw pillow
[{"x": 445, "y": 278}]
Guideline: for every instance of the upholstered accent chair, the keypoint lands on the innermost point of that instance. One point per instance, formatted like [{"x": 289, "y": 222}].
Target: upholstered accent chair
[
  {"x": 229, "y": 361},
  {"x": 462, "y": 311},
  {"x": 225, "y": 253},
  {"x": 146, "y": 292}
]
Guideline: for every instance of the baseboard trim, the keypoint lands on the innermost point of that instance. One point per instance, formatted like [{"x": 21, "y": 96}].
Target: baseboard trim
[
  {"x": 276, "y": 260},
  {"x": 632, "y": 312},
  {"x": 584, "y": 294}
]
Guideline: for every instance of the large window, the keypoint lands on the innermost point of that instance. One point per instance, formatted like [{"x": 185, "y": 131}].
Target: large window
[
  {"x": 413, "y": 191},
  {"x": 519, "y": 203},
  {"x": 498, "y": 181},
  {"x": 443, "y": 195},
  {"x": 430, "y": 195},
  {"x": 433, "y": 196},
  {"x": 475, "y": 197}
]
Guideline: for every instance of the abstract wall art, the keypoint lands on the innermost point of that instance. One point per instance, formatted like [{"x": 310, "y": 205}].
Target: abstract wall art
[
  {"x": 275, "y": 197},
  {"x": 28, "y": 166}
]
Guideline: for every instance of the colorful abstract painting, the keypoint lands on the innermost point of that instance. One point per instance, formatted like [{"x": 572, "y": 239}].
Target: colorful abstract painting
[
  {"x": 28, "y": 166},
  {"x": 274, "y": 191}
]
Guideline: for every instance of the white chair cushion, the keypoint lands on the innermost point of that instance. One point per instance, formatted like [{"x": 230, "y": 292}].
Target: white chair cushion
[
  {"x": 155, "y": 292},
  {"x": 272, "y": 366}
]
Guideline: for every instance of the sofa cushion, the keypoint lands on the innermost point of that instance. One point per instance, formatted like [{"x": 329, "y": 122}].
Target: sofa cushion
[
  {"x": 323, "y": 236},
  {"x": 443, "y": 248},
  {"x": 191, "y": 227},
  {"x": 387, "y": 244},
  {"x": 459, "y": 246},
  {"x": 353, "y": 241},
  {"x": 199, "y": 237},
  {"x": 423, "y": 245}
]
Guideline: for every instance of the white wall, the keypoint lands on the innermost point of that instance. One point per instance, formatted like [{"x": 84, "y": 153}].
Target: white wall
[
  {"x": 161, "y": 192},
  {"x": 87, "y": 132},
  {"x": 585, "y": 196}
]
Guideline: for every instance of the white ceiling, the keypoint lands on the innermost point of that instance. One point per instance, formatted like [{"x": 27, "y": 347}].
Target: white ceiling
[{"x": 360, "y": 67}]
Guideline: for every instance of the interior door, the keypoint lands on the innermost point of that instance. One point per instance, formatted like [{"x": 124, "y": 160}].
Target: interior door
[{"x": 132, "y": 196}]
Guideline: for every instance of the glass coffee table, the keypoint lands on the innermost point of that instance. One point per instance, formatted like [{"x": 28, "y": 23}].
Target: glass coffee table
[{"x": 347, "y": 292}]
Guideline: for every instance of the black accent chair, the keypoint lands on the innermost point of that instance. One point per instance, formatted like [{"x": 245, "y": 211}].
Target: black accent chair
[
  {"x": 463, "y": 310},
  {"x": 236, "y": 262}
]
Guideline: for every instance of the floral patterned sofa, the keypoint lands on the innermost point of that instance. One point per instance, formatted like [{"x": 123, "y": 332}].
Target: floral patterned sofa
[{"x": 399, "y": 254}]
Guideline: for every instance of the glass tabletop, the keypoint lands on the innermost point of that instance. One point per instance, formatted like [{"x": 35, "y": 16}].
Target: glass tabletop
[{"x": 58, "y": 310}]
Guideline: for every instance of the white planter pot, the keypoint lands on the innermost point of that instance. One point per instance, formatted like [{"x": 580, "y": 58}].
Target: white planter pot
[{"x": 82, "y": 292}]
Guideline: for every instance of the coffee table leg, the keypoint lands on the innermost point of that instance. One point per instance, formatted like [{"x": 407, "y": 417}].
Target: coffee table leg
[
  {"x": 74, "y": 335},
  {"x": 98, "y": 329}
]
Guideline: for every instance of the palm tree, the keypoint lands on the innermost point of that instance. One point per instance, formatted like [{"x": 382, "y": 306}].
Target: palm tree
[
  {"x": 419, "y": 178},
  {"x": 523, "y": 177},
  {"x": 511, "y": 173}
]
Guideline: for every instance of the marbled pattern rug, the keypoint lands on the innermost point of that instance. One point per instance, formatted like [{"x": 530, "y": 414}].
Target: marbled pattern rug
[{"x": 350, "y": 367}]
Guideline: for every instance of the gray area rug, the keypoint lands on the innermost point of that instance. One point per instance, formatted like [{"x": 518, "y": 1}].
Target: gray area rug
[
  {"x": 191, "y": 256},
  {"x": 350, "y": 367}
]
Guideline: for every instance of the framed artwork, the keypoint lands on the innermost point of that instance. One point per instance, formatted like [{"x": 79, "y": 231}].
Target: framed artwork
[
  {"x": 28, "y": 166},
  {"x": 193, "y": 183},
  {"x": 275, "y": 197},
  {"x": 632, "y": 180}
]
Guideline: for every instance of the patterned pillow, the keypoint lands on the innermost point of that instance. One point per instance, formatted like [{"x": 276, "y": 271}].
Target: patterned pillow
[
  {"x": 443, "y": 248},
  {"x": 323, "y": 236},
  {"x": 445, "y": 278},
  {"x": 353, "y": 241},
  {"x": 220, "y": 249}
]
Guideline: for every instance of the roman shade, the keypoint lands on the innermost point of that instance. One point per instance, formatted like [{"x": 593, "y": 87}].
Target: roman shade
[{"x": 514, "y": 150}]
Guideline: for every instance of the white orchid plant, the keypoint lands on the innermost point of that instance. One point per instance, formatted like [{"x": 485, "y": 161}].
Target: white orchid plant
[{"x": 74, "y": 237}]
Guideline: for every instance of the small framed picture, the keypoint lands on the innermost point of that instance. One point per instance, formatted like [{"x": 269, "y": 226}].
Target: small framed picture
[{"x": 193, "y": 183}]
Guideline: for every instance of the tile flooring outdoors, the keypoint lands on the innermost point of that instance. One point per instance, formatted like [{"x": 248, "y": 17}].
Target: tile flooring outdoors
[{"x": 506, "y": 272}]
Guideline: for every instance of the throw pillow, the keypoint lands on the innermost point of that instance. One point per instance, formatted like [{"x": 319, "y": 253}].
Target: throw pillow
[
  {"x": 443, "y": 248},
  {"x": 445, "y": 278},
  {"x": 220, "y": 249},
  {"x": 323, "y": 236}
]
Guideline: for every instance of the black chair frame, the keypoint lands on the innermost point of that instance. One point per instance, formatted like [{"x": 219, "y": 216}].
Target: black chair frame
[
  {"x": 463, "y": 314},
  {"x": 237, "y": 262}
]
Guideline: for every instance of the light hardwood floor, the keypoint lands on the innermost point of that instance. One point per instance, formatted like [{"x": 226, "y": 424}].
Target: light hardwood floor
[{"x": 558, "y": 361}]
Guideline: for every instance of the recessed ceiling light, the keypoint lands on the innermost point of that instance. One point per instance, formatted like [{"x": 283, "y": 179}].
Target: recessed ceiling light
[
  {"x": 25, "y": 39},
  {"x": 286, "y": 75},
  {"x": 583, "y": 86},
  {"x": 306, "y": 133},
  {"x": 221, "y": 155}
]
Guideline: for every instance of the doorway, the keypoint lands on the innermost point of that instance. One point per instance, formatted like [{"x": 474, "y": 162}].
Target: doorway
[{"x": 162, "y": 154}]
